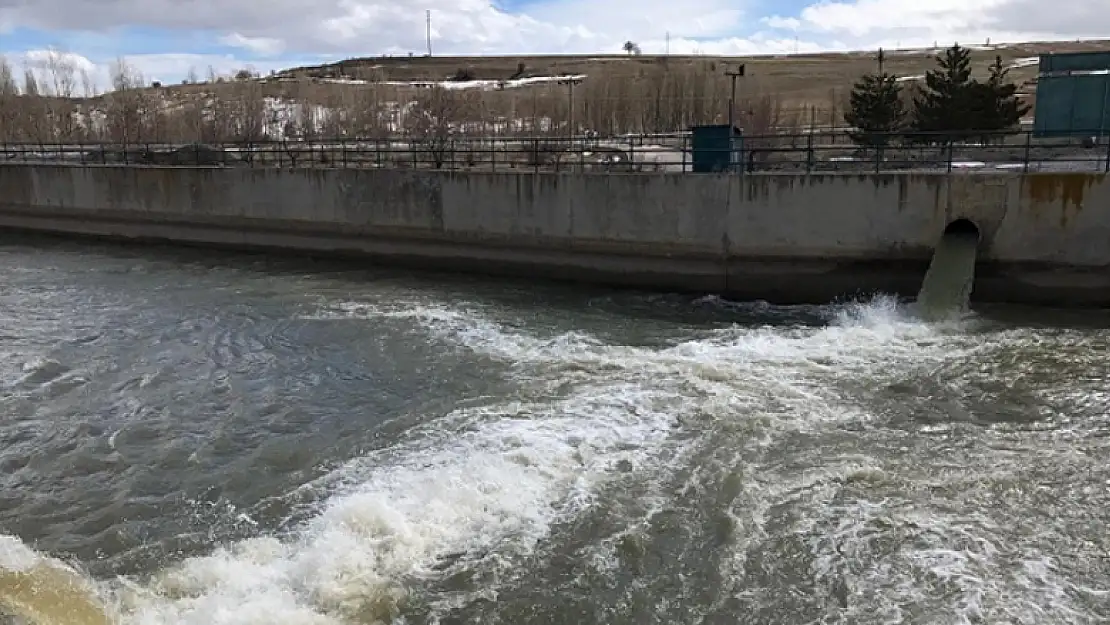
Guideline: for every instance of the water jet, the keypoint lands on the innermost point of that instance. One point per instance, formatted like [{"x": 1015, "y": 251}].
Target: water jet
[{"x": 946, "y": 289}]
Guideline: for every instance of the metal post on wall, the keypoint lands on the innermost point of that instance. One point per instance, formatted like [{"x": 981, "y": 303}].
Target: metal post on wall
[
  {"x": 570, "y": 108},
  {"x": 1028, "y": 149},
  {"x": 570, "y": 81},
  {"x": 739, "y": 73},
  {"x": 1102, "y": 118}
]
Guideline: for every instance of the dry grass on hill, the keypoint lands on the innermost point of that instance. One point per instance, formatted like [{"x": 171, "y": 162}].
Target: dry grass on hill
[
  {"x": 619, "y": 94},
  {"x": 800, "y": 81}
]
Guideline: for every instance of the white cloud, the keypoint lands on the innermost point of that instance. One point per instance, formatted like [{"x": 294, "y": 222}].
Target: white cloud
[
  {"x": 261, "y": 46},
  {"x": 871, "y": 23},
  {"x": 369, "y": 27},
  {"x": 782, "y": 23},
  {"x": 166, "y": 68}
]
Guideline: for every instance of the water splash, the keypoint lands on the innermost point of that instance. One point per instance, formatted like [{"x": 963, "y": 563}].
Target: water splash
[{"x": 481, "y": 487}]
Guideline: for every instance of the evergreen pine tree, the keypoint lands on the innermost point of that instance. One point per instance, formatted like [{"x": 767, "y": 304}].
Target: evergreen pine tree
[
  {"x": 950, "y": 100},
  {"x": 1002, "y": 109},
  {"x": 875, "y": 108}
]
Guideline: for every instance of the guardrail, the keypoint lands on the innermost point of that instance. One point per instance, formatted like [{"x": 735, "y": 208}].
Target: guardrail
[{"x": 673, "y": 153}]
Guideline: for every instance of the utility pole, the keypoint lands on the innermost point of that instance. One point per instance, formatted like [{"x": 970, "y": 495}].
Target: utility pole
[
  {"x": 732, "y": 97},
  {"x": 570, "y": 82},
  {"x": 668, "y": 43},
  {"x": 570, "y": 109},
  {"x": 732, "y": 114},
  {"x": 428, "y": 20}
]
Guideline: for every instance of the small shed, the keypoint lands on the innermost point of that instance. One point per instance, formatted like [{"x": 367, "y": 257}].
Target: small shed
[
  {"x": 716, "y": 148},
  {"x": 1073, "y": 95}
]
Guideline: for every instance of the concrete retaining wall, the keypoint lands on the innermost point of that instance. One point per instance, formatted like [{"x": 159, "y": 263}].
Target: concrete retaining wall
[{"x": 780, "y": 237}]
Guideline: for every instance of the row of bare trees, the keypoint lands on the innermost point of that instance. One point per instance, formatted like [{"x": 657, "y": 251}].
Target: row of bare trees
[{"x": 633, "y": 99}]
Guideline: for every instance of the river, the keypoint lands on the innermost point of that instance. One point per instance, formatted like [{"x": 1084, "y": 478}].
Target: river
[{"x": 200, "y": 438}]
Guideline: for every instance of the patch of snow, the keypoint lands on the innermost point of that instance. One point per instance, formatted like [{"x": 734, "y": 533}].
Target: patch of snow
[
  {"x": 910, "y": 78},
  {"x": 1027, "y": 61},
  {"x": 485, "y": 85},
  {"x": 913, "y": 51},
  {"x": 345, "y": 81}
]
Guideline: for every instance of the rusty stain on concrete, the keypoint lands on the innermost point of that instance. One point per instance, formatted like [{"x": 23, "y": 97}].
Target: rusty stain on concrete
[
  {"x": 786, "y": 183},
  {"x": 1069, "y": 189}
]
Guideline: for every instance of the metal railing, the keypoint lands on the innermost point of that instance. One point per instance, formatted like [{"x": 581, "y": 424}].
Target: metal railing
[{"x": 671, "y": 153}]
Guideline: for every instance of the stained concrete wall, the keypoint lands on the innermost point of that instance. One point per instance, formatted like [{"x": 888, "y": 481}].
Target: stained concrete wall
[{"x": 773, "y": 236}]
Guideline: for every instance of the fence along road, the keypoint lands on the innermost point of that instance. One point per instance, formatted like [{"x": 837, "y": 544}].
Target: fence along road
[{"x": 670, "y": 153}]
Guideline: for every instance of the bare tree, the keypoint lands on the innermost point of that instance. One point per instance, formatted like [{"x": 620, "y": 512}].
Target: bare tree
[
  {"x": 768, "y": 127},
  {"x": 431, "y": 122},
  {"x": 61, "y": 73},
  {"x": 30, "y": 83},
  {"x": 10, "y": 113},
  {"x": 35, "y": 111},
  {"x": 131, "y": 115},
  {"x": 246, "y": 115}
]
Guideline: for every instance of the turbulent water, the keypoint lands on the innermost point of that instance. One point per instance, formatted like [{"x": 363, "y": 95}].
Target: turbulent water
[{"x": 197, "y": 440}]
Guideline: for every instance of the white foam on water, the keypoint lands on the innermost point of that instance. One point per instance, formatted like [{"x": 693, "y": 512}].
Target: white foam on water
[
  {"x": 890, "y": 559},
  {"x": 958, "y": 564},
  {"x": 481, "y": 486},
  {"x": 860, "y": 336},
  {"x": 778, "y": 376},
  {"x": 15, "y": 556}
]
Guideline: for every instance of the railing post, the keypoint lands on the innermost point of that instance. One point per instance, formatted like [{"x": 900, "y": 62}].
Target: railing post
[
  {"x": 951, "y": 153},
  {"x": 809, "y": 152},
  {"x": 1028, "y": 147}
]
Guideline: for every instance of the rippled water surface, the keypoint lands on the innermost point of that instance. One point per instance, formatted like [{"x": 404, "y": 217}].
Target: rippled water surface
[{"x": 215, "y": 439}]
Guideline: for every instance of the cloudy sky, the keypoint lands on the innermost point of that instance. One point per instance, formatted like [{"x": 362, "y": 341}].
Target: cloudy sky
[{"x": 165, "y": 38}]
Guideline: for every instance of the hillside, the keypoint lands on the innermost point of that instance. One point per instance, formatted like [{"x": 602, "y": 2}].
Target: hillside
[
  {"x": 387, "y": 96},
  {"x": 800, "y": 80}
]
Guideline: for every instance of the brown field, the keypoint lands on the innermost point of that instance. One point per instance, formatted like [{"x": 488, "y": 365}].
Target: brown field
[
  {"x": 619, "y": 94},
  {"x": 801, "y": 80}
]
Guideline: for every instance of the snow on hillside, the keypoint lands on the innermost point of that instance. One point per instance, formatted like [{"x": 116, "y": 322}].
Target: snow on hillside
[
  {"x": 1027, "y": 61},
  {"x": 484, "y": 85},
  {"x": 289, "y": 119}
]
